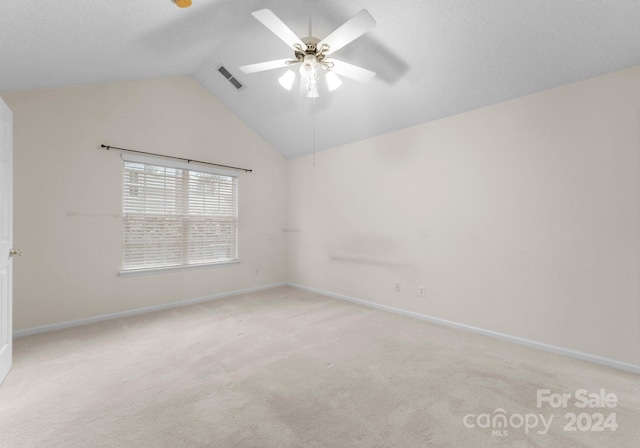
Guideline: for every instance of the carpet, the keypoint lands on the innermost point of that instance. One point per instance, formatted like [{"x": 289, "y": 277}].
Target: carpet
[{"x": 291, "y": 368}]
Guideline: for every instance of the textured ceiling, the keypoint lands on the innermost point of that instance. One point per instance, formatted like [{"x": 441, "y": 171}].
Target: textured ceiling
[{"x": 433, "y": 58}]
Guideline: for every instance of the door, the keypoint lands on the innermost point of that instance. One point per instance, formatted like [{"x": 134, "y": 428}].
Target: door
[{"x": 6, "y": 237}]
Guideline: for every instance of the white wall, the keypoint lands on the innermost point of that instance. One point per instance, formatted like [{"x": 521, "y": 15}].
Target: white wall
[
  {"x": 68, "y": 195},
  {"x": 520, "y": 218}
]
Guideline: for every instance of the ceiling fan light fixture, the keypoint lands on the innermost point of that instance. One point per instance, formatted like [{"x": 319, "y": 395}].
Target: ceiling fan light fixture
[
  {"x": 312, "y": 90},
  {"x": 309, "y": 67},
  {"x": 287, "y": 79},
  {"x": 333, "y": 81}
]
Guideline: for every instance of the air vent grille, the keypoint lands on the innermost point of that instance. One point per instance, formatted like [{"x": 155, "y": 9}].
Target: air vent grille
[
  {"x": 224, "y": 72},
  {"x": 235, "y": 83}
]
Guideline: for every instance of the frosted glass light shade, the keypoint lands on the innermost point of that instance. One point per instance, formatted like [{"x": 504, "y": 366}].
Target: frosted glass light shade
[
  {"x": 287, "y": 79},
  {"x": 333, "y": 81},
  {"x": 313, "y": 90}
]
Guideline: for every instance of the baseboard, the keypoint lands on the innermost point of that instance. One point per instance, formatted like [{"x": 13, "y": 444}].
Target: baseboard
[
  {"x": 149, "y": 309},
  {"x": 505, "y": 337}
]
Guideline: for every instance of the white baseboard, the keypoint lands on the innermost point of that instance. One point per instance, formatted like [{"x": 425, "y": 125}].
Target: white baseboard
[
  {"x": 505, "y": 337},
  {"x": 149, "y": 309}
]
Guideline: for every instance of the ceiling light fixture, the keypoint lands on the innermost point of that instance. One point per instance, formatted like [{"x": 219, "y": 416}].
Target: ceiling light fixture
[
  {"x": 312, "y": 90},
  {"x": 333, "y": 81},
  {"x": 182, "y": 3},
  {"x": 309, "y": 72},
  {"x": 287, "y": 79}
]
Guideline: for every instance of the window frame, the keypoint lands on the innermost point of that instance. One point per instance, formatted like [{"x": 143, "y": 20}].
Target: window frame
[{"x": 184, "y": 166}]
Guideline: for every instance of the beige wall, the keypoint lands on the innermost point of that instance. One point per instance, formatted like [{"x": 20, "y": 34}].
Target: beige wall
[
  {"x": 520, "y": 218},
  {"x": 68, "y": 195}
]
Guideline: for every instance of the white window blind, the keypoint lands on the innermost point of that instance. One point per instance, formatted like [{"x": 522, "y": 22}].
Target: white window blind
[{"x": 176, "y": 215}]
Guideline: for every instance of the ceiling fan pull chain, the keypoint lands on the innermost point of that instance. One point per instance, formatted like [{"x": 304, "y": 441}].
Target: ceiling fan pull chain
[{"x": 313, "y": 129}]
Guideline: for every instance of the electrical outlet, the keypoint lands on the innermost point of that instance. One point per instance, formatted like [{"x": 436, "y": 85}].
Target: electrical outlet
[
  {"x": 421, "y": 291},
  {"x": 397, "y": 287}
]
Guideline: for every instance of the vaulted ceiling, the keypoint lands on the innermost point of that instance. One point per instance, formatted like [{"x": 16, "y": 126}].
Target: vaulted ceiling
[{"x": 433, "y": 58}]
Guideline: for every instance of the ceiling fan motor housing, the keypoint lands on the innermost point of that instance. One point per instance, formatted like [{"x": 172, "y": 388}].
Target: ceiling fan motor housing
[{"x": 312, "y": 57}]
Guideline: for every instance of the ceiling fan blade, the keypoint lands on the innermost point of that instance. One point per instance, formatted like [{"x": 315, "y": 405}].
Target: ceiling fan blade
[
  {"x": 349, "y": 31},
  {"x": 277, "y": 27},
  {"x": 351, "y": 71},
  {"x": 262, "y": 66}
]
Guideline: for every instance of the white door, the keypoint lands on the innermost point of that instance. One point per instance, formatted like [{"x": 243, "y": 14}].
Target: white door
[{"x": 6, "y": 237}]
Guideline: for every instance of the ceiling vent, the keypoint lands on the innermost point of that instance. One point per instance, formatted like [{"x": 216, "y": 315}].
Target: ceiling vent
[{"x": 237, "y": 84}]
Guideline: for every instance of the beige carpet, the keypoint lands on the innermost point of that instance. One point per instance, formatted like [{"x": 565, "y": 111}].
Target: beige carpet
[{"x": 289, "y": 368}]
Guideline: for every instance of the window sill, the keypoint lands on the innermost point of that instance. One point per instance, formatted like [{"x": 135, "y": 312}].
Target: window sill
[{"x": 169, "y": 269}]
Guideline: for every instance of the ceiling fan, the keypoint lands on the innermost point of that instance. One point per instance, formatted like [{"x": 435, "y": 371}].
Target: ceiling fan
[{"x": 312, "y": 54}]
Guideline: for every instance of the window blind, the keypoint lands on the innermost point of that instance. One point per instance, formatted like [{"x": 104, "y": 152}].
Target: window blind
[{"x": 173, "y": 216}]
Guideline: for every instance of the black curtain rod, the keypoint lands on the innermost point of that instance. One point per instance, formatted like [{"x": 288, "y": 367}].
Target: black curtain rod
[{"x": 107, "y": 147}]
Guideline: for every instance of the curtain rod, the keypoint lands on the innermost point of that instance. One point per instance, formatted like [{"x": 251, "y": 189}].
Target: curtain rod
[{"x": 107, "y": 147}]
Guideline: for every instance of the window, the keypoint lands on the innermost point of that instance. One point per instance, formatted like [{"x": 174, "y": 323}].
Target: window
[{"x": 177, "y": 214}]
